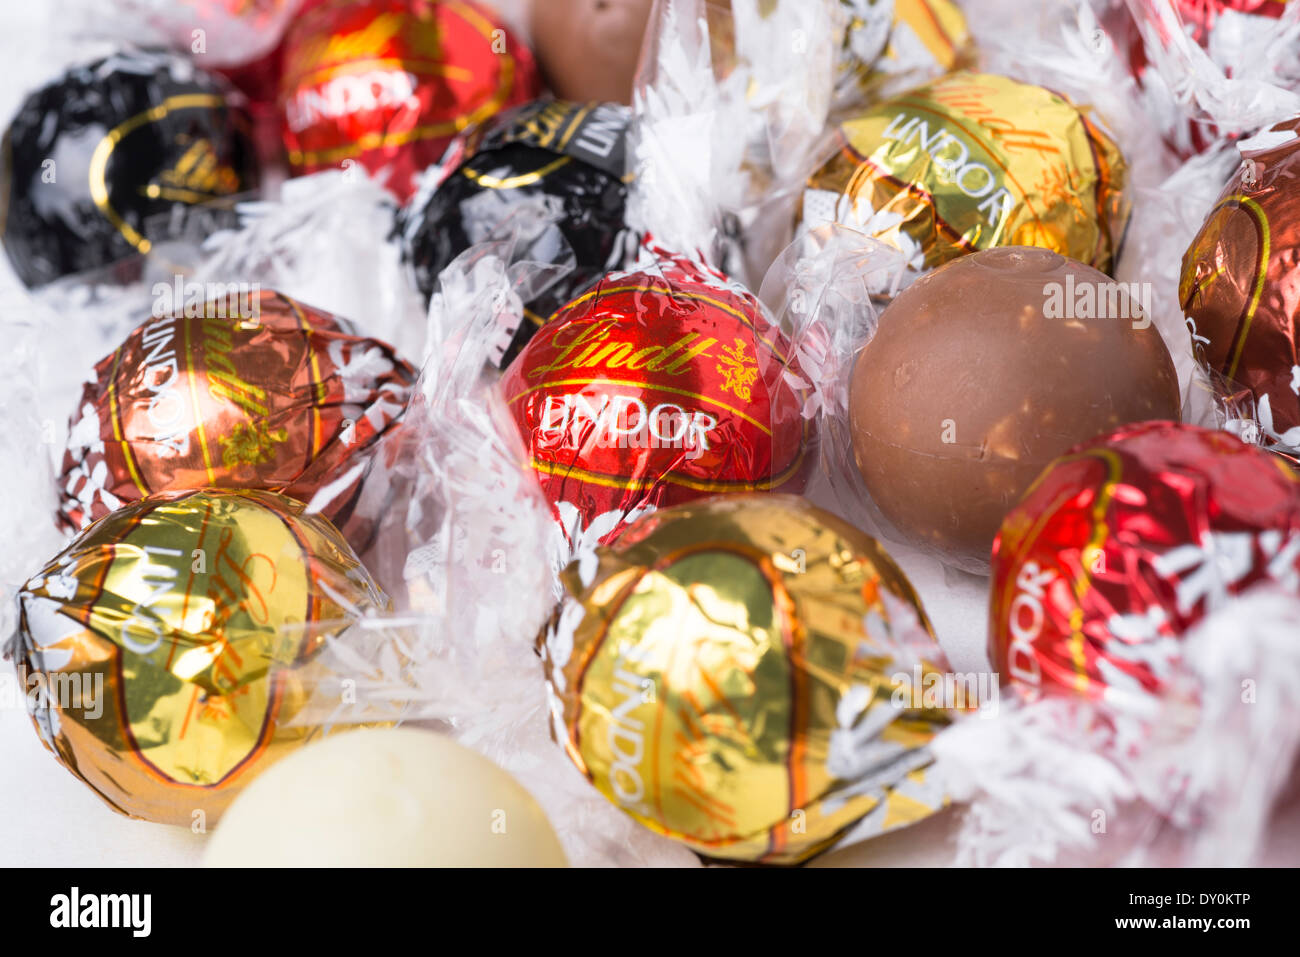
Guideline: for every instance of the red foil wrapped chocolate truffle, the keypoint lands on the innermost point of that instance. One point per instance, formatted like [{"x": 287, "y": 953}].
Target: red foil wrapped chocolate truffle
[
  {"x": 980, "y": 374},
  {"x": 389, "y": 83},
  {"x": 256, "y": 392},
  {"x": 1124, "y": 544},
  {"x": 1239, "y": 281},
  {"x": 653, "y": 388}
]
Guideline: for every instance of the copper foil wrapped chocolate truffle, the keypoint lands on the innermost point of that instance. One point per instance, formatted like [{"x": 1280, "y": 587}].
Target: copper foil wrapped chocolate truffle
[
  {"x": 164, "y": 649},
  {"x": 549, "y": 176},
  {"x": 94, "y": 162},
  {"x": 740, "y": 674},
  {"x": 972, "y": 161},
  {"x": 1239, "y": 279},
  {"x": 390, "y": 83},
  {"x": 984, "y": 371},
  {"x": 588, "y": 49},
  {"x": 254, "y": 391},
  {"x": 1123, "y": 545}
]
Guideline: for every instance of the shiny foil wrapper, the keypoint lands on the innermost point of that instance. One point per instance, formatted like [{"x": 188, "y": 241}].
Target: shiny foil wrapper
[
  {"x": 726, "y": 673},
  {"x": 94, "y": 164},
  {"x": 654, "y": 388},
  {"x": 972, "y": 161},
  {"x": 164, "y": 651},
  {"x": 1123, "y": 545},
  {"x": 548, "y": 175},
  {"x": 1239, "y": 280},
  {"x": 390, "y": 83},
  {"x": 254, "y": 391}
]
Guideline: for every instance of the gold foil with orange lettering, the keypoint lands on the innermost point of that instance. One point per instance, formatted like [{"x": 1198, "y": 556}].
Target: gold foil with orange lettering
[
  {"x": 972, "y": 161},
  {"x": 163, "y": 652},
  {"x": 740, "y": 674}
]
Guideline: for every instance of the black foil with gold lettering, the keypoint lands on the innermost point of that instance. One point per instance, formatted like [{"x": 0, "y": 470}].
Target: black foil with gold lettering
[
  {"x": 551, "y": 176},
  {"x": 93, "y": 163}
]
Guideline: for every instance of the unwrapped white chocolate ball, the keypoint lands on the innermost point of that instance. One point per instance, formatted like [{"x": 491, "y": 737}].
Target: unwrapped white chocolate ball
[{"x": 384, "y": 798}]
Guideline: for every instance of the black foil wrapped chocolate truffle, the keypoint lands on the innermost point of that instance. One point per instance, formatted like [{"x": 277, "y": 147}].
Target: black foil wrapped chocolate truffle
[
  {"x": 549, "y": 174},
  {"x": 94, "y": 163}
]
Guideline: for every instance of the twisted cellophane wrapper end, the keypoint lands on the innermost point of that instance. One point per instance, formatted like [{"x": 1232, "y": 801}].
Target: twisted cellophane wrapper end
[
  {"x": 730, "y": 107},
  {"x": 1242, "y": 79}
]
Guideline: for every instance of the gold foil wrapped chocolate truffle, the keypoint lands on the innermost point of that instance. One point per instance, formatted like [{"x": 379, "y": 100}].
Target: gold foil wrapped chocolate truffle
[
  {"x": 164, "y": 649},
  {"x": 971, "y": 161},
  {"x": 731, "y": 672}
]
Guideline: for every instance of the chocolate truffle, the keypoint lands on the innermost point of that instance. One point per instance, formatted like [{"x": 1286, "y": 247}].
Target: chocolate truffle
[
  {"x": 104, "y": 161},
  {"x": 980, "y": 374},
  {"x": 588, "y": 49},
  {"x": 1238, "y": 285}
]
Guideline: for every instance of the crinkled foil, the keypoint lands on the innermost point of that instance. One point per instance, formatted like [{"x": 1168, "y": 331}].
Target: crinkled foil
[
  {"x": 388, "y": 83},
  {"x": 726, "y": 674},
  {"x": 972, "y": 161},
  {"x": 1239, "y": 280},
  {"x": 254, "y": 390},
  {"x": 98, "y": 165},
  {"x": 1125, "y": 544},
  {"x": 163, "y": 650},
  {"x": 655, "y": 387},
  {"x": 549, "y": 175}
]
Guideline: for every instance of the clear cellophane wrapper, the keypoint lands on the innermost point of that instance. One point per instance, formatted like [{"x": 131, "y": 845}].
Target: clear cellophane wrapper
[
  {"x": 1212, "y": 70},
  {"x": 890, "y": 46},
  {"x": 1194, "y": 779},
  {"x": 478, "y": 578},
  {"x": 731, "y": 103}
]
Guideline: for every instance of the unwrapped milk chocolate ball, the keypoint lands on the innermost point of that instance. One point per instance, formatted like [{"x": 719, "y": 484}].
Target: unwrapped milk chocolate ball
[
  {"x": 588, "y": 49},
  {"x": 981, "y": 373}
]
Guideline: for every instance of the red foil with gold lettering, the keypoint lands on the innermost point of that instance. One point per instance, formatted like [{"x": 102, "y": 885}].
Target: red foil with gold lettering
[
  {"x": 656, "y": 387},
  {"x": 1125, "y": 543},
  {"x": 389, "y": 83},
  {"x": 257, "y": 392},
  {"x": 1238, "y": 286}
]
